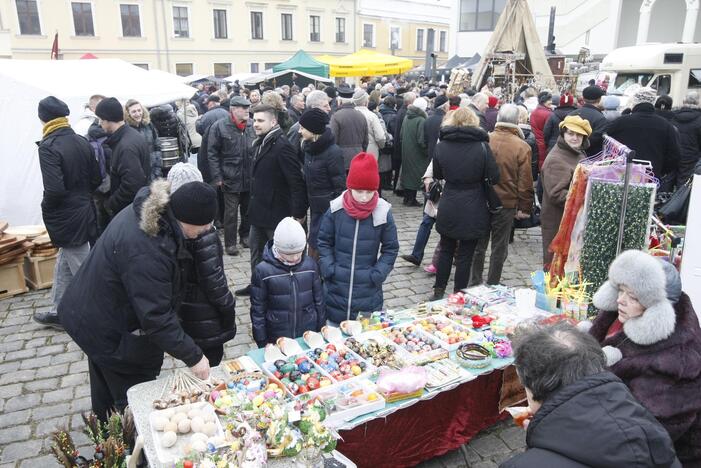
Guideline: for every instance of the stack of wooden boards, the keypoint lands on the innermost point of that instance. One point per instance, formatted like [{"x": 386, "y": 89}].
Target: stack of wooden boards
[{"x": 26, "y": 256}]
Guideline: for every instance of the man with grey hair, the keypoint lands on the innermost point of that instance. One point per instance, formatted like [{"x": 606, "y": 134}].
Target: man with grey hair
[
  {"x": 478, "y": 104},
  {"x": 349, "y": 126},
  {"x": 296, "y": 107},
  {"x": 406, "y": 100},
  {"x": 315, "y": 100},
  {"x": 579, "y": 413},
  {"x": 515, "y": 190},
  {"x": 687, "y": 119}
]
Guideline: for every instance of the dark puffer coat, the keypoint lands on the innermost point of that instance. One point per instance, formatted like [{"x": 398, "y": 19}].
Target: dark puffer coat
[
  {"x": 688, "y": 122},
  {"x": 208, "y": 310},
  {"x": 323, "y": 171},
  {"x": 348, "y": 260},
  {"x": 209, "y": 117},
  {"x": 599, "y": 125},
  {"x": 432, "y": 130},
  {"x": 664, "y": 376},
  {"x": 70, "y": 173},
  {"x": 130, "y": 167},
  {"x": 285, "y": 300},
  {"x": 552, "y": 126},
  {"x": 230, "y": 155},
  {"x": 652, "y": 137},
  {"x": 595, "y": 422},
  {"x": 120, "y": 308},
  {"x": 277, "y": 185},
  {"x": 460, "y": 160}
]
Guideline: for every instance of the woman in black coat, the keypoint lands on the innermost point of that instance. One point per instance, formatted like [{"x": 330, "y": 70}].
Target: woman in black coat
[
  {"x": 324, "y": 170},
  {"x": 463, "y": 159}
]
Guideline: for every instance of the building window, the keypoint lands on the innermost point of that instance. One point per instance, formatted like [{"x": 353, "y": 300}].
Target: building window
[
  {"x": 131, "y": 27},
  {"x": 340, "y": 30},
  {"x": 222, "y": 70},
  {"x": 443, "y": 41},
  {"x": 82, "y": 19},
  {"x": 220, "y": 29},
  {"x": 395, "y": 36},
  {"x": 142, "y": 65},
  {"x": 183, "y": 69},
  {"x": 254, "y": 68},
  {"x": 368, "y": 35},
  {"x": 286, "y": 19},
  {"x": 480, "y": 15},
  {"x": 315, "y": 28},
  {"x": 270, "y": 65},
  {"x": 256, "y": 25},
  {"x": 419, "y": 39},
  {"x": 180, "y": 24},
  {"x": 28, "y": 16}
]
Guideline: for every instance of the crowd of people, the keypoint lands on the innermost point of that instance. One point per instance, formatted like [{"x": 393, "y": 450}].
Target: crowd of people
[{"x": 297, "y": 175}]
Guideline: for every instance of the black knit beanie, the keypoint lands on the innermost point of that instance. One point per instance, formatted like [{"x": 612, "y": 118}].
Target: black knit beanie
[
  {"x": 194, "y": 203},
  {"x": 110, "y": 109},
  {"x": 314, "y": 120},
  {"x": 51, "y": 108}
]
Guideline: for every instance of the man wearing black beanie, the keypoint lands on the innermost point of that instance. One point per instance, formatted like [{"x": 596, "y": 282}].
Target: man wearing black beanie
[
  {"x": 130, "y": 164},
  {"x": 70, "y": 174},
  {"x": 120, "y": 308}
]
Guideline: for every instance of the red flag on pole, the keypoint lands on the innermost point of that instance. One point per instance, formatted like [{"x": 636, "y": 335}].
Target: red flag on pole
[{"x": 54, "y": 48}]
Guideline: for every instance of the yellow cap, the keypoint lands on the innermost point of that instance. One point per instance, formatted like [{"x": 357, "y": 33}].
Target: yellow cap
[{"x": 576, "y": 124}]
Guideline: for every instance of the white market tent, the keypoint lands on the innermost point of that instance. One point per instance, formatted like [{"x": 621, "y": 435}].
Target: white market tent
[
  {"x": 23, "y": 83},
  {"x": 241, "y": 77}
]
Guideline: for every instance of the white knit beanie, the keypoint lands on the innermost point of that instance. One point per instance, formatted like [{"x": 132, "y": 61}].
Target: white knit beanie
[
  {"x": 289, "y": 237},
  {"x": 642, "y": 95},
  {"x": 181, "y": 174},
  {"x": 421, "y": 103}
]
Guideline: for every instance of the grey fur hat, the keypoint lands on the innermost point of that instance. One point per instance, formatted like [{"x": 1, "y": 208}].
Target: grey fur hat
[{"x": 647, "y": 278}]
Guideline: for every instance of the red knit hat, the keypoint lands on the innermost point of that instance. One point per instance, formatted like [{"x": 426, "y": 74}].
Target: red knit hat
[
  {"x": 364, "y": 173},
  {"x": 493, "y": 101}
]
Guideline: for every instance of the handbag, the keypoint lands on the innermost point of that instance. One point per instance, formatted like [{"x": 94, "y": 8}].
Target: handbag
[
  {"x": 674, "y": 211},
  {"x": 493, "y": 202},
  {"x": 435, "y": 190}
]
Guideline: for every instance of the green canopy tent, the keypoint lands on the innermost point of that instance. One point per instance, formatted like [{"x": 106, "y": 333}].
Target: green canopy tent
[{"x": 303, "y": 62}]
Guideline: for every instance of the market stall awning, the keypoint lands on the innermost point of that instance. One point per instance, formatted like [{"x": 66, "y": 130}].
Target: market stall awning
[
  {"x": 285, "y": 77},
  {"x": 240, "y": 77},
  {"x": 366, "y": 63},
  {"x": 303, "y": 62}
]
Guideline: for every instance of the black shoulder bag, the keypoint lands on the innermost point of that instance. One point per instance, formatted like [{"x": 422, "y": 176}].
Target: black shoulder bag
[{"x": 493, "y": 202}]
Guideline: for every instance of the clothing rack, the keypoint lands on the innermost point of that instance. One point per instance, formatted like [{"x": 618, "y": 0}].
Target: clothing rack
[{"x": 614, "y": 148}]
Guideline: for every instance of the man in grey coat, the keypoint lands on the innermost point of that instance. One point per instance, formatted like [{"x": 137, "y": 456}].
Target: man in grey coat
[{"x": 349, "y": 126}]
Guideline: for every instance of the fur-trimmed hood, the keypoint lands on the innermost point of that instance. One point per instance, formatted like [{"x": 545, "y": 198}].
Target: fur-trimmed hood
[
  {"x": 646, "y": 277},
  {"x": 131, "y": 122},
  {"x": 150, "y": 204}
]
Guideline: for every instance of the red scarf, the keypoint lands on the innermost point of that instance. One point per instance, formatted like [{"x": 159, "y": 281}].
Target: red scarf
[
  {"x": 357, "y": 210},
  {"x": 615, "y": 327},
  {"x": 241, "y": 126}
]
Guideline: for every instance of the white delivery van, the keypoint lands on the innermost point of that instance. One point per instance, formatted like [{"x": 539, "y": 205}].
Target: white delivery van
[{"x": 671, "y": 69}]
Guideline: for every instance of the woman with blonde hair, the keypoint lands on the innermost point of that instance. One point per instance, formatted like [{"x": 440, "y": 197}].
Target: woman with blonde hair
[
  {"x": 138, "y": 117},
  {"x": 463, "y": 159}
]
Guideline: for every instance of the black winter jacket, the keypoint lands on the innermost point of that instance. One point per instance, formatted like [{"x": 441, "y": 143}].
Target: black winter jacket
[
  {"x": 652, "y": 137},
  {"x": 212, "y": 115},
  {"x": 285, "y": 300},
  {"x": 120, "y": 307},
  {"x": 460, "y": 161},
  {"x": 229, "y": 153},
  {"x": 551, "y": 131},
  {"x": 398, "y": 121},
  {"x": 130, "y": 166},
  {"x": 389, "y": 117},
  {"x": 529, "y": 136},
  {"x": 688, "y": 122},
  {"x": 70, "y": 173},
  {"x": 148, "y": 131},
  {"x": 432, "y": 129},
  {"x": 595, "y": 422},
  {"x": 324, "y": 173},
  {"x": 599, "y": 124},
  {"x": 277, "y": 186},
  {"x": 208, "y": 311}
]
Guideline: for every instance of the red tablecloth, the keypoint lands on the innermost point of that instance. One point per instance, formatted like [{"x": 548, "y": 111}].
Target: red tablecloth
[{"x": 427, "y": 429}]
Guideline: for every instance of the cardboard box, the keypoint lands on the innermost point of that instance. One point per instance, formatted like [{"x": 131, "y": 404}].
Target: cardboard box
[
  {"x": 12, "y": 280},
  {"x": 39, "y": 271}
]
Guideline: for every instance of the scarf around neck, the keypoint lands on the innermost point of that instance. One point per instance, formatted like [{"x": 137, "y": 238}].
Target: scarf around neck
[
  {"x": 55, "y": 124},
  {"x": 357, "y": 210}
]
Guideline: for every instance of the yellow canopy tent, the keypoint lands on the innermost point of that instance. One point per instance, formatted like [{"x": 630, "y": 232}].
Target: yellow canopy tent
[{"x": 365, "y": 62}]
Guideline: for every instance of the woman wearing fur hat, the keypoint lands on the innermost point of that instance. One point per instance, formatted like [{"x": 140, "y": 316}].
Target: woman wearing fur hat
[
  {"x": 358, "y": 225},
  {"x": 137, "y": 116},
  {"x": 324, "y": 172},
  {"x": 651, "y": 338},
  {"x": 556, "y": 175}
]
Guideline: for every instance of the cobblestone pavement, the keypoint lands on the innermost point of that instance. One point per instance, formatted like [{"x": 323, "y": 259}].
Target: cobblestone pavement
[{"x": 44, "y": 379}]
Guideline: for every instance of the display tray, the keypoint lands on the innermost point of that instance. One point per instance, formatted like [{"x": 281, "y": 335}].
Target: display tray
[
  {"x": 378, "y": 351},
  {"x": 169, "y": 455},
  {"x": 419, "y": 347},
  {"x": 352, "y": 401},
  {"x": 269, "y": 368},
  {"x": 449, "y": 334},
  {"x": 367, "y": 369}
]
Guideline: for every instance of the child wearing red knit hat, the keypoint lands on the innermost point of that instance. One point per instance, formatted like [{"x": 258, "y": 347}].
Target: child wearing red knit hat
[{"x": 357, "y": 226}]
